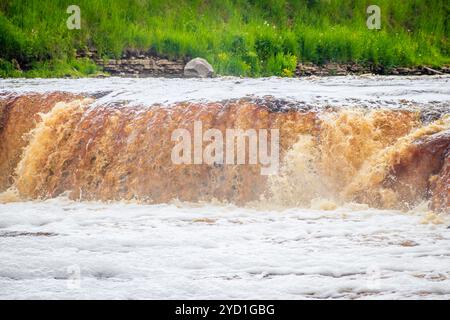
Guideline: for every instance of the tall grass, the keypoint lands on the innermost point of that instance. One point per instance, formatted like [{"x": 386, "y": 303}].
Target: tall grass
[{"x": 239, "y": 37}]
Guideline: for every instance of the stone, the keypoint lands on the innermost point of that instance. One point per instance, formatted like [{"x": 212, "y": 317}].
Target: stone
[
  {"x": 149, "y": 66},
  {"x": 440, "y": 188},
  {"x": 424, "y": 169},
  {"x": 198, "y": 68}
]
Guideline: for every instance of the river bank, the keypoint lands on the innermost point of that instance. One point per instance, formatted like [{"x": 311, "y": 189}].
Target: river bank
[
  {"x": 138, "y": 65},
  {"x": 141, "y": 65},
  {"x": 244, "y": 38}
]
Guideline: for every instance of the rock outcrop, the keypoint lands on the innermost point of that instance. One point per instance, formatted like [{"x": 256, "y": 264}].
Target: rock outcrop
[
  {"x": 343, "y": 69},
  {"x": 425, "y": 170},
  {"x": 144, "y": 66},
  {"x": 440, "y": 188}
]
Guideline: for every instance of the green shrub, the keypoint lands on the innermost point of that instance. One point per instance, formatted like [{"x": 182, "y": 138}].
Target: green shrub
[
  {"x": 266, "y": 46},
  {"x": 282, "y": 65},
  {"x": 7, "y": 69}
]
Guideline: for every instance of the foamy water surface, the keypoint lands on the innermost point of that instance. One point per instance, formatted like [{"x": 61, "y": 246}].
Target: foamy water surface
[
  {"x": 132, "y": 251},
  {"x": 338, "y": 91}
]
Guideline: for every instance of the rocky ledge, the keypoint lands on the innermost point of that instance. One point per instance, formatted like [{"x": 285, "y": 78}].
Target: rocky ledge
[
  {"x": 335, "y": 69},
  {"x": 143, "y": 66},
  {"x": 149, "y": 64}
]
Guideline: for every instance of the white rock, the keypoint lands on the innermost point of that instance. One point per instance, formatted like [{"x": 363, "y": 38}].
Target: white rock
[{"x": 199, "y": 68}]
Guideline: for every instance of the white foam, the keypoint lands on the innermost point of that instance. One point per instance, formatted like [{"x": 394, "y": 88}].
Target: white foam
[
  {"x": 349, "y": 90},
  {"x": 133, "y": 251}
]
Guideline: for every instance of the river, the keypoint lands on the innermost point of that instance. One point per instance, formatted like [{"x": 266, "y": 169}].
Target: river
[{"x": 86, "y": 214}]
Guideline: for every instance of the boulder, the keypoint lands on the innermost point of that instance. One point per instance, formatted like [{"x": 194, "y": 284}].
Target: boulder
[{"x": 198, "y": 68}]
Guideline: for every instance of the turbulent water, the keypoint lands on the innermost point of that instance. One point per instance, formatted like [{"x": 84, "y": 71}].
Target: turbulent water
[{"x": 356, "y": 154}]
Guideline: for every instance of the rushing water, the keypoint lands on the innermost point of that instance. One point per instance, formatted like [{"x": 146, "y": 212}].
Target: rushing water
[
  {"x": 369, "y": 90},
  {"x": 358, "y": 209}
]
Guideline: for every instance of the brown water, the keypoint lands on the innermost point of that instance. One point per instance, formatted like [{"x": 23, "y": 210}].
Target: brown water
[{"x": 60, "y": 143}]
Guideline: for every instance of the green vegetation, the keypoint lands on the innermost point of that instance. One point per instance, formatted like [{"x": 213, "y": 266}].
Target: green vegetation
[{"x": 238, "y": 37}]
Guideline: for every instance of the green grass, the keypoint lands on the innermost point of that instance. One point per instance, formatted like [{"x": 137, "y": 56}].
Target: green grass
[{"x": 240, "y": 37}]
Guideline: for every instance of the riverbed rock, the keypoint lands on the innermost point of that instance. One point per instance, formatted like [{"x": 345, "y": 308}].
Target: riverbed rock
[
  {"x": 440, "y": 188},
  {"x": 198, "y": 68},
  {"x": 424, "y": 170}
]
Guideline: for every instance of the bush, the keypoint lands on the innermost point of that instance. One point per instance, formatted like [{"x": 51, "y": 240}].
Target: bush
[
  {"x": 281, "y": 64},
  {"x": 266, "y": 46},
  {"x": 13, "y": 43},
  {"x": 7, "y": 69}
]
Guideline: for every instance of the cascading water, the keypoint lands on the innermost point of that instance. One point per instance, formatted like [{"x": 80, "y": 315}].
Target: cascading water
[{"x": 386, "y": 158}]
